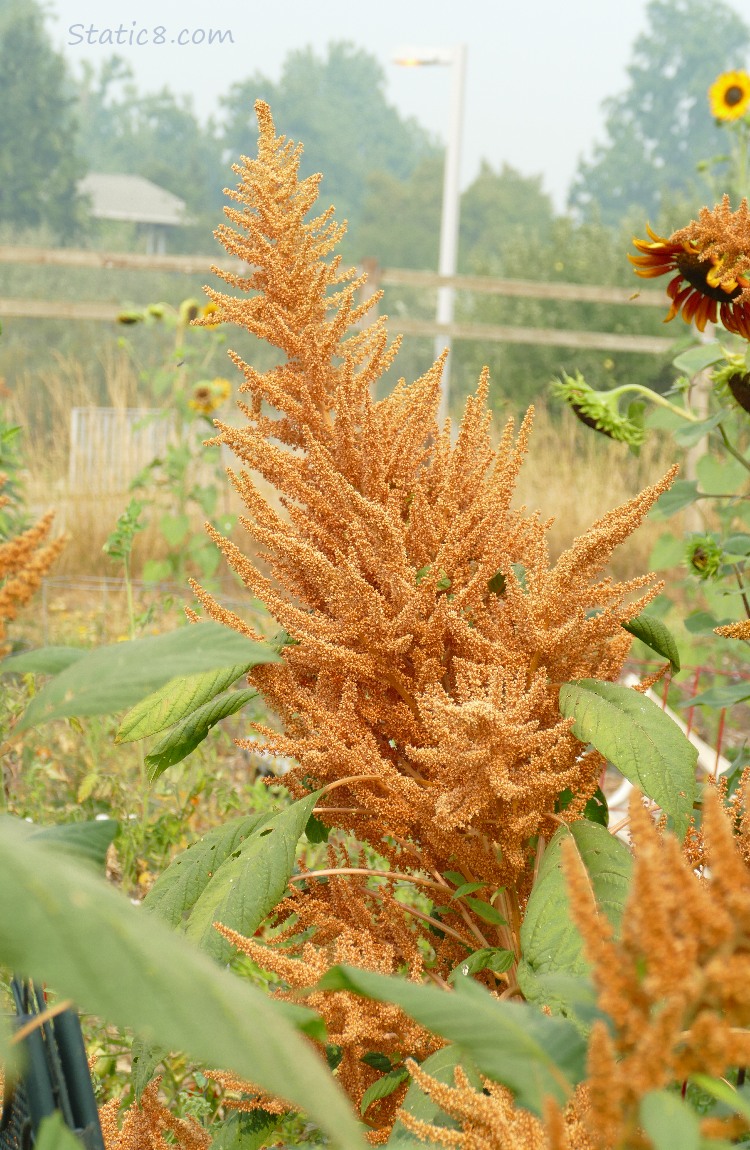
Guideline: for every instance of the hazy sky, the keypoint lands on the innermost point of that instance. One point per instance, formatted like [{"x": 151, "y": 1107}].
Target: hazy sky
[{"x": 537, "y": 70}]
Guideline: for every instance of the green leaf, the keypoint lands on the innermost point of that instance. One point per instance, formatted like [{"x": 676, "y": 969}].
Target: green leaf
[
  {"x": 510, "y": 1042},
  {"x": 245, "y": 1131},
  {"x": 700, "y": 622},
  {"x": 383, "y": 1087},
  {"x": 596, "y": 809},
  {"x": 55, "y": 1135},
  {"x": 117, "y": 676},
  {"x": 723, "y": 1092},
  {"x": 377, "y": 1061},
  {"x": 737, "y": 545},
  {"x": 441, "y": 1066},
  {"x": 156, "y": 571},
  {"x": 698, "y": 358},
  {"x": 467, "y": 888},
  {"x": 720, "y": 475},
  {"x": 681, "y": 494},
  {"x": 87, "y": 841},
  {"x": 62, "y": 925},
  {"x": 488, "y": 958},
  {"x": 550, "y": 941},
  {"x": 669, "y": 1121},
  {"x": 316, "y": 831},
  {"x": 186, "y": 735},
  {"x": 725, "y": 696},
  {"x": 485, "y": 911},
  {"x": 145, "y": 1057},
  {"x": 176, "y": 699},
  {"x": 178, "y": 888},
  {"x": 668, "y": 551},
  {"x": 645, "y": 745},
  {"x": 656, "y": 635},
  {"x": 249, "y": 884},
  {"x": 691, "y": 433},
  {"x": 44, "y": 661},
  {"x": 174, "y": 528}
]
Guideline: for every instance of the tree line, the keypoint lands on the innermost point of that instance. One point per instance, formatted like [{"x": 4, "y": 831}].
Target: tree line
[{"x": 383, "y": 171}]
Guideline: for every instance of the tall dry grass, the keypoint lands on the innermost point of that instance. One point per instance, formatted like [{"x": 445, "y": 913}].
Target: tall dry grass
[
  {"x": 576, "y": 475},
  {"x": 571, "y": 473}
]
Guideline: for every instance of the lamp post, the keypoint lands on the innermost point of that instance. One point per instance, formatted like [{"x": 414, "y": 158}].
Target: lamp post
[{"x": 449, "y": 219}]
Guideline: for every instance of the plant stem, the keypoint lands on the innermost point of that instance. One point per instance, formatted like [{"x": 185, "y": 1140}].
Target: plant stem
[
  {"x": 654, "y": 397},
  {"x": 732, "y": 449}
]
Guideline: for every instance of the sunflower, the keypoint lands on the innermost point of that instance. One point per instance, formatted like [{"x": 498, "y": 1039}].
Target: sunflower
[
  {"x": 208, "y": 312},
  {"x": 208, "y": 395},
  {"x": 729, "y": 95},
  {"x": 709, "y": 261}
]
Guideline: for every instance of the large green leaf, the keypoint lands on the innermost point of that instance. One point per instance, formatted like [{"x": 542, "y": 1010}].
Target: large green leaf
[
  {"x": 656, "y": 635},
  {"x": 645, "y": 745},
  {"x": 669, "y": 1122},
  {"x": 55, "y": 1135},
  {"x": 720, "y": 475},
  {"x": 440, "y": 1066},
  {"x": 550, "y": 941},
  {"x": 681, "y": 494},
  {"x": 245, "y": 1131},
  {"x": 698, "y": 358},
  {"x": 86, "y": 841},
  {"x": 112, "y": 678},
  {"x": 62, "y": 925},
  {"x": 178, "y": 888},
  {"x": 691, "y": 433},
  {"x": 176, "y": 699},
  {"x": 510, "y": 1042},
  {"x": 192, "y": 730},
  {"x": 723, "y": 696},
  {"x": 44, "y": 661},
  {"x": 249, "y": 884}
]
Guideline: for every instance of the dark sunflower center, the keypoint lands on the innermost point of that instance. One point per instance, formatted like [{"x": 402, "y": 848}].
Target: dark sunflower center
[
  {"x": 733, "y": 95},
  {"x": 695, "y": 271}
]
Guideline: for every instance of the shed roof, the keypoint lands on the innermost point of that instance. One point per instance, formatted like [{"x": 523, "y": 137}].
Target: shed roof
[{"x": 118, "y": 196}]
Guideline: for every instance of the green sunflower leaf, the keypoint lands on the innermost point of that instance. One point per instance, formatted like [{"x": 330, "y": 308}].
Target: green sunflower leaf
[{"x": 681, "y": 494}]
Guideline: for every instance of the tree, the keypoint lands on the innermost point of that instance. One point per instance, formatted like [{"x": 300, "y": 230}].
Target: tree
[
  {"x": 497, "y": 207},
  {"x": 154, "y": 135},
  {"x": 660, "y": 128},
  {"x": 400, "y": 221},
  {"x": 40, "y": 163},
  {"x": 337, "y": 105}
]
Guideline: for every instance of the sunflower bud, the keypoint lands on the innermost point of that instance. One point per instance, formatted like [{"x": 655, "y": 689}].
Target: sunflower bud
[
  {"x": 739, "y": 385},
  {"x": 704, "y": 557}
]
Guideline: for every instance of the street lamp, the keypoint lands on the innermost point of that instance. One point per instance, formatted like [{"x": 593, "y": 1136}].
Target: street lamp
[{"x": 449, "y": 220}]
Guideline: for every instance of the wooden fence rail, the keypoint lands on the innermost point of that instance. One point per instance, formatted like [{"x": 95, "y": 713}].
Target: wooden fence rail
[{"x": 493, "y": 333}]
